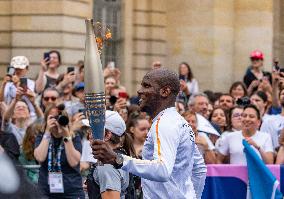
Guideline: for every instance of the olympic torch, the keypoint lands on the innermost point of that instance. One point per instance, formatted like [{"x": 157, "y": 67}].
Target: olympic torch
[{"x": 94, "y": 83}]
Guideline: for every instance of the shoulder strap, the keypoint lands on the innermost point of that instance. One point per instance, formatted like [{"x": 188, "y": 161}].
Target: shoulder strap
[{"x": 92, "y": 187}]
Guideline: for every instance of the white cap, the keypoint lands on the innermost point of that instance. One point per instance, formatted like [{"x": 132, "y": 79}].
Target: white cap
[
  {"x": 114, "y": 123},
  {"x": 20, "y": 62}
]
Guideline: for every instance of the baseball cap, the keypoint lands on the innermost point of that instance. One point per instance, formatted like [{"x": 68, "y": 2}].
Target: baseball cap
[
  {"x": 256, "y": 54},
  {"x": 20, "y": 62},
  {"x": 113, "y": 123},
  {"x": 79, "y": 86}
]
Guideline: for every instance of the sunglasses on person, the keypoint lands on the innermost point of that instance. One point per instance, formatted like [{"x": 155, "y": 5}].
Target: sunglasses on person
[
  {"x": 255, "y": 59},
  {"x": 48, "y": 98}
]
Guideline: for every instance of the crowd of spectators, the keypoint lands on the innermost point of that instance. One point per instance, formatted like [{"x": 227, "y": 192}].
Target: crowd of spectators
[{"x": 44, "y": 122}]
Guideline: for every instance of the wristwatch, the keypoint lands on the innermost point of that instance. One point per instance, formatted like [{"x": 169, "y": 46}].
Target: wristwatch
[
  {"x": 46, "y": 136},
  {"x": 67, "y": 139},
  {"x": 118, "y": 161}
]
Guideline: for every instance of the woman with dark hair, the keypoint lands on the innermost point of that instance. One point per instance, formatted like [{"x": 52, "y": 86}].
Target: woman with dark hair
[
  {"x": 27, "y": 151},
  {"x": 48, "y": 74},
  {"x": 189, "y": 85},
  {"x": 234, "y": 124},
  {"x": 17, "y": 116},
  {"x": 232, "y": 144},
  {"x": 234, "y": 119},
  {"x": 260, "y": 100},
  {"x": 136, "y": 134},
  {"x": 58, "y": 150},
  {"x": 219, "y": 117},
  {"x": 238, "y": 90}
]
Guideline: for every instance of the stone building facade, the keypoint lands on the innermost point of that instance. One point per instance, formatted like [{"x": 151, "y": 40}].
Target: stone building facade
[
  {"x": 214, "y": 37},
  {"x": 32, "y": 27}
]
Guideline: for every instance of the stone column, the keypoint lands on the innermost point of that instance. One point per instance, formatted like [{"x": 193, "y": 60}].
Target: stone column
[
  {"x": 200, "y": 33},
  {"x": 253, "y": 30},
  {"x": 216, "y": 38},
  {"x": 127, "y": 73},
  {"x": 5, "y": 35},
  {"x": 223, "y": 39},
  {"x": 149, "y": 37},
  {"x": 39, "y": 26},
  {"x": 278, "y": 42}
]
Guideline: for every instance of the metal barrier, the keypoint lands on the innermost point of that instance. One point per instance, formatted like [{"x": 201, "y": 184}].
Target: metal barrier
[{"x": 30, "y": 166}]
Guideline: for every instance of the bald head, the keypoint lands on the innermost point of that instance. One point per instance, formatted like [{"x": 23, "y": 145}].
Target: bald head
[{"x": 165, "y": 77}]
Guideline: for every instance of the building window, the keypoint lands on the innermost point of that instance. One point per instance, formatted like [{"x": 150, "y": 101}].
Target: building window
[{"x": 108, "y": 12}]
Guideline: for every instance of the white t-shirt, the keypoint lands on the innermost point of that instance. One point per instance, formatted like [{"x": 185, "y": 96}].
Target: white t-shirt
[
  {"x": 273, "y": 126},
  {"x": 192, "y": 87},
  {"x": 210, "y": 144},
  {"x": 220, "y": 140},
  {"x": 87, "y": 155},
  {"x": 232, "y": 145}
]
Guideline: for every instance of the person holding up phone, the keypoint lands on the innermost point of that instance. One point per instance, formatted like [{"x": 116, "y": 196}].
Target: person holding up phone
[
  {"x": 255, "y": 73},
  {"x": 188, "y": 84},
  {"x": 21, "y": 65},
  {"x": 19, "y": 110},
  {"x": 6, "y": 79},
  {"x": 48, "y": 74}
]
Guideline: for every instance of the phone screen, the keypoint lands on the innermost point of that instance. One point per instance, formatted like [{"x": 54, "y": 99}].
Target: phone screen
[
  {"x": 10, "y": 70},
  {"x": 70, "y": 69},
  {"x": 46, "y": 56},
  {"x": 281, "y": 70},
  {"x": 24, "y": 83},
  {"x": 82, "y": 111},
  {"x": 111, "y": 65},
  {"x": 182, "y": 77}
]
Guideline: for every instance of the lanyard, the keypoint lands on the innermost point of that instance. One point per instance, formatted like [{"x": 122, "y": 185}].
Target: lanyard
[{"x": 54, "y": 159}]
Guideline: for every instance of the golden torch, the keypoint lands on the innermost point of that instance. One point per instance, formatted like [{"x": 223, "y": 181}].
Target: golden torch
[{"x": 94, "y": 83}]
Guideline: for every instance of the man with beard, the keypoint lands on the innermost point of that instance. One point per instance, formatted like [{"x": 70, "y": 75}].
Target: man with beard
[
  {"x": 166, "y": 168},
  {"x": 275, "y": 123}
]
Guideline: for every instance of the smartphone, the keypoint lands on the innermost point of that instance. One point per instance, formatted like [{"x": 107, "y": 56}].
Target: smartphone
[
  {"x": 276, "y": 68},
  {"x": 10, "y": 70},
  {"x": 122, "y": 95},
  {"x": 24, "y": 83},
  {"x": 112, "y": 100},
  {"x": 70, "y": 69},
  {"x": 82, "y": 111},
  {"x": 182, "y": 77},
  {"x": 46, "y": 56},
  {"x": 111, "y": 65},
  {"x": 281, "y": 70}
]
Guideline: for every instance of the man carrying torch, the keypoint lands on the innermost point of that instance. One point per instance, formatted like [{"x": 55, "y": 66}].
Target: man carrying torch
[{"x": 168, "y": 159}]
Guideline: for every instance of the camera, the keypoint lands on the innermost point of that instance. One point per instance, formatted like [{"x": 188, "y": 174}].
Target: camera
[
  {"x": 62, "y": 120},
  {"x": 244, "y": 101}
]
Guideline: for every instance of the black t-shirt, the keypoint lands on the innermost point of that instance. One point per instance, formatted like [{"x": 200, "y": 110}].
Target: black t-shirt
[
  {"x": 72, "y": 179},
  {"x": 249, "y": 77},
  {"x": 50, "y": 82}
]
